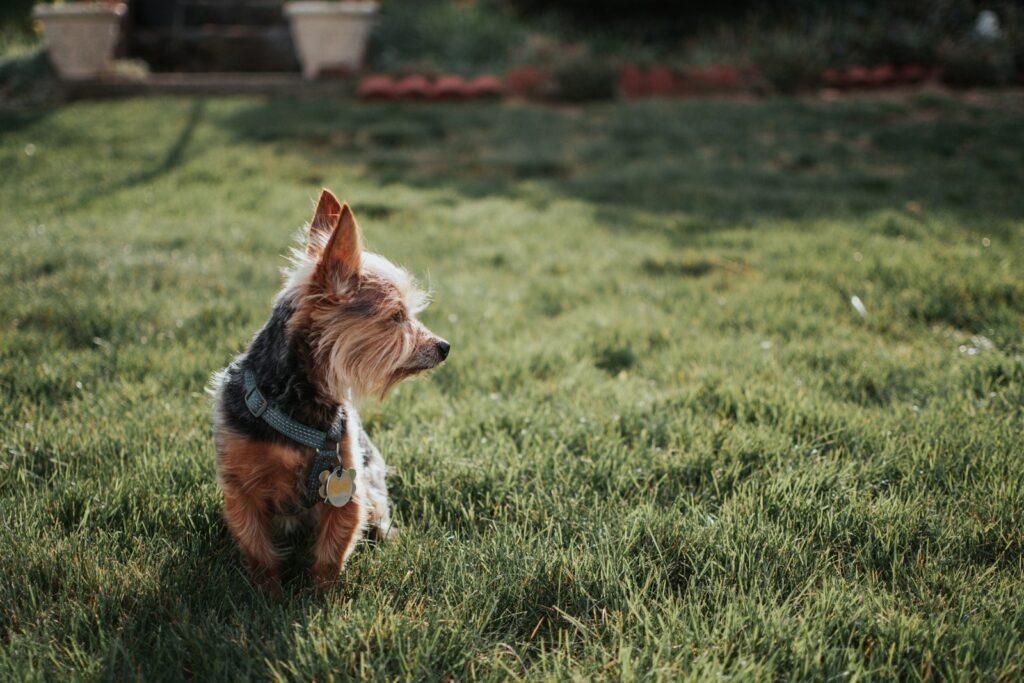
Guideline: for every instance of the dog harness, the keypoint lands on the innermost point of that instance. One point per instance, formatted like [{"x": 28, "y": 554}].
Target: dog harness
[{"x": 328, "y": 481}]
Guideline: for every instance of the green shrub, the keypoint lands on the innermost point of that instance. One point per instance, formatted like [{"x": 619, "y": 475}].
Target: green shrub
[
  {"x": 570, "y": 72},
  {"x": 880, "y": 42},
  {"x": 26, "y": 79},
  {"x": 975, "y": 62},
  {"x": 790, "y": 62},
  {"x": 1013, "y": 26},
  {"x": 582, "y": 78},
  {"x": 461, "y": 38},
  {"x": 15, "y": 22}
]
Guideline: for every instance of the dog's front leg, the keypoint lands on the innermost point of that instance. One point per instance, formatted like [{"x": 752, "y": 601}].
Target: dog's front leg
[
  {"x": 339, "y": 531},
  {"x": 251, "y": 524}
]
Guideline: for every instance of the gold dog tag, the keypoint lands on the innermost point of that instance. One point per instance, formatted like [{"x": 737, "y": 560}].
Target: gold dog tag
[{"x": 337, "y": 486}]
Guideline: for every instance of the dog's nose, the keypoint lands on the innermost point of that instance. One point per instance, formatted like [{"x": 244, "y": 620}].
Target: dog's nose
[{"x": 442, "y": 349}]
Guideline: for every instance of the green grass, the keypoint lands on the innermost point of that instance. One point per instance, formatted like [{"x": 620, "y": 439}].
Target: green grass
[{"x": 665, "y": 445}]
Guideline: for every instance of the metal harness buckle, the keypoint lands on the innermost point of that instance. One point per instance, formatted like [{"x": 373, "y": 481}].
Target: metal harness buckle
[{"x": 263, "y": 404}]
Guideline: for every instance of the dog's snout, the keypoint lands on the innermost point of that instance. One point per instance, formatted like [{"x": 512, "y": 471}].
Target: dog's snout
[{"x": 443, "y": 348}]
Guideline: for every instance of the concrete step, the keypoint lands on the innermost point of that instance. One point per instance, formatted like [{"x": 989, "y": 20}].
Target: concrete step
[
  {"x": 224, "y": 83},
  {"x": 215, "y": 48}
]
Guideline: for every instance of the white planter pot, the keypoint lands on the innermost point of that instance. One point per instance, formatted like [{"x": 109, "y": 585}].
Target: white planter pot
[
  {"x": 330, "y": 35},
  {"x": 81, "y": 37}
]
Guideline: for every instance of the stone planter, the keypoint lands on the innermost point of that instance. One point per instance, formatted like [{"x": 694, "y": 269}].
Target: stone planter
[
  {"x": 330, "y": 36},
  {"x": 81, "y": 37}
]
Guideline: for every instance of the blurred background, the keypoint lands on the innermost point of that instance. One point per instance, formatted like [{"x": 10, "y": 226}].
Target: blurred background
[{"x": 569, "y": 49}]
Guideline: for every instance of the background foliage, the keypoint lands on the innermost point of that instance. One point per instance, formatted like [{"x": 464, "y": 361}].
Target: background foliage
[{"x": 782, "y": 46}]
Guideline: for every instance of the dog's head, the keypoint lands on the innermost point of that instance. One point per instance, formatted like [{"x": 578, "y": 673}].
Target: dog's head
[{"x": 358, "y": 310}]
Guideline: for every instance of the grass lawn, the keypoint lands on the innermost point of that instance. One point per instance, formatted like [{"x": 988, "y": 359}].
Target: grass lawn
[{"x": 666, "y": 444}]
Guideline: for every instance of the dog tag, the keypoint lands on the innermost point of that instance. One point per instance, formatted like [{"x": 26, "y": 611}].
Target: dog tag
[{"x": 338, "y": 486}]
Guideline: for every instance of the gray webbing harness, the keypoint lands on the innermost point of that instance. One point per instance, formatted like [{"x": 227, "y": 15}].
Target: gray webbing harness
[{"x": 327, "y": 463}]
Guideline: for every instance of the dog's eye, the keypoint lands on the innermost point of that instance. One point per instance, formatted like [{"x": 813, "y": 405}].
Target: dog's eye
[{"x": 398, "y": 318}]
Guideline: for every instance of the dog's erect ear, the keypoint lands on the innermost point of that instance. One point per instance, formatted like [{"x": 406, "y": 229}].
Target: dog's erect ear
[
  {"x": 325, "y": 218},
  {"x": 340, "y": 261}
]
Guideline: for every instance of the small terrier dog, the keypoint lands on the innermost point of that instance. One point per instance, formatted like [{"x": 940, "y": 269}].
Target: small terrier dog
[{"x": 290, "y": 447}]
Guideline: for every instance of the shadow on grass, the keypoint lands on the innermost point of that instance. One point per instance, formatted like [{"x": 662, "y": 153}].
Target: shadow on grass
[
  {"x": 175, "y": 152},
  {"x": 186, "y": 628},
  {"x": 172, "y": 158},
  {"x": 713, "y": 163}
]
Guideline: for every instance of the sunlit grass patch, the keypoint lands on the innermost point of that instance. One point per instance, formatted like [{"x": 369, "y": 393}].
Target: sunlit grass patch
[{"x": 666, "y": 444}]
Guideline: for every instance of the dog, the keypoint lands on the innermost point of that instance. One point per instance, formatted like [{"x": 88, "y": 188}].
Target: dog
[{"x": 290, "y": 447}]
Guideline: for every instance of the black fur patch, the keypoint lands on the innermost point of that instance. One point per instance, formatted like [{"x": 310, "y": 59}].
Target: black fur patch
[{"x": 282, "y": 369}]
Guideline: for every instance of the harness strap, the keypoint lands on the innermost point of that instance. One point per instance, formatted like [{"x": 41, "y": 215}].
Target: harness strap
[{"x": 326, "y": 443}]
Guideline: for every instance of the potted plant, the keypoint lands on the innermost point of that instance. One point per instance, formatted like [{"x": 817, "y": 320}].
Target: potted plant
[
  {"x": 330, "y": 36},
  {"x": 81, "y": 37}
]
